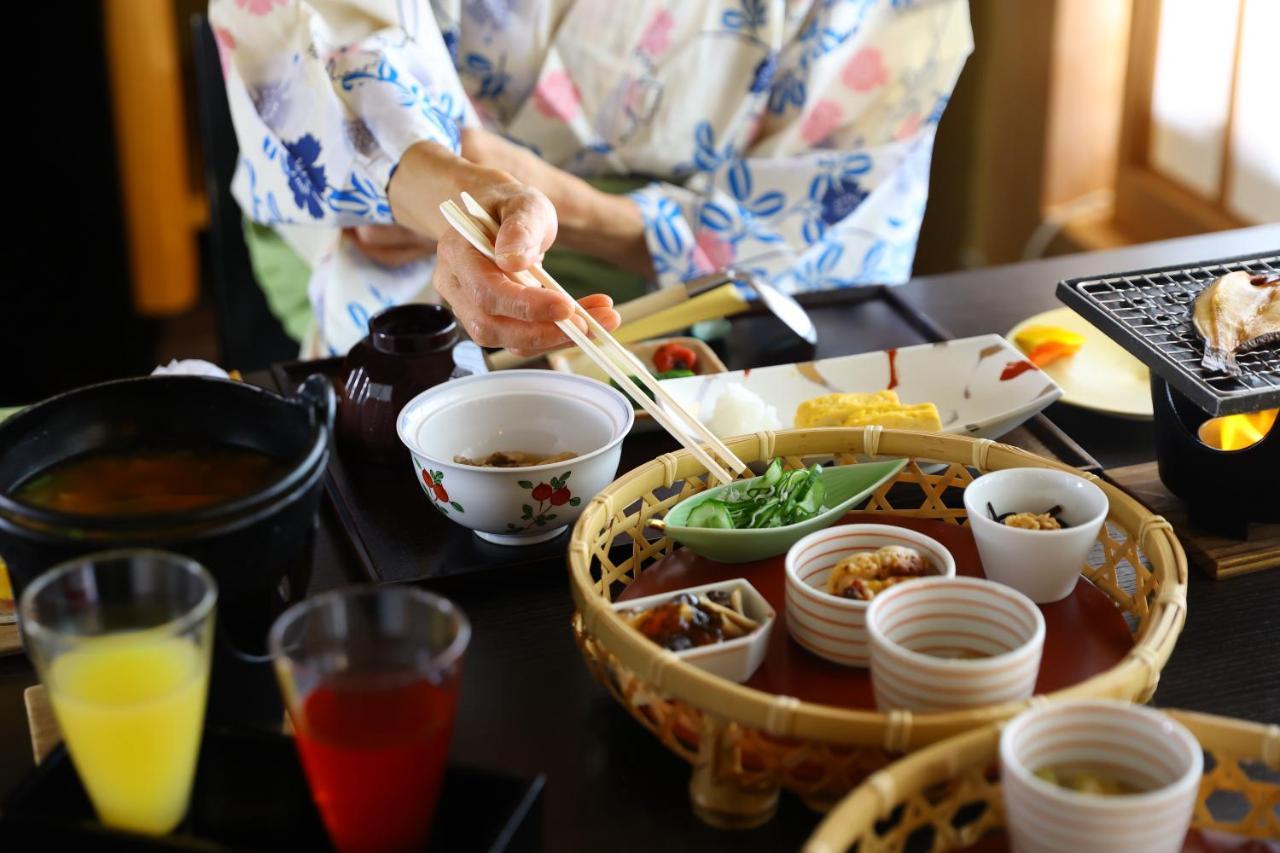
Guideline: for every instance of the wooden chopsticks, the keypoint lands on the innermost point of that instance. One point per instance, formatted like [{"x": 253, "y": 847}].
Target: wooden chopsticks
[{"x": 618, "y": 362}]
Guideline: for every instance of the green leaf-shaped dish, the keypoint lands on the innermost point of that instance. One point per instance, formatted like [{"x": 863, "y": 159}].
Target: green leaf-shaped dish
[{"x": 847, "y": 485}]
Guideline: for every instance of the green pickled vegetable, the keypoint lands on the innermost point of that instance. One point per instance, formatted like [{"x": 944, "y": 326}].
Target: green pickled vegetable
[
  {"x": 776, "y": 499},
  {"x": 712, "y": 514}
]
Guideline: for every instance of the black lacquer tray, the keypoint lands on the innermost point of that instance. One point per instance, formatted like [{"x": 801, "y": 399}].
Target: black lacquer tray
[
  {"x": 397, "y": 536},
  {"x": 250, "y": 795}
]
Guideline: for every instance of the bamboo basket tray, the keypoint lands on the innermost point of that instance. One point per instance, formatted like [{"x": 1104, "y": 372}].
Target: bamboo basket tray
[
  {"x": 948, "y": 796},
  {"x": 746, "y": 744}
]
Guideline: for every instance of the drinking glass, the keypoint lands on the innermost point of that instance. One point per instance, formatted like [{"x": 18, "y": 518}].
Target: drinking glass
[
  {"x": 8, "y": 608},
  {"x": 370, "y": 678},
  {"x": 121, "y": 640}
]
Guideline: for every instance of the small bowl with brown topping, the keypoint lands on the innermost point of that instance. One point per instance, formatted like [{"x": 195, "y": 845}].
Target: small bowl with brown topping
[
  {"x": 833, "y": 575},
  {"x": 515, "y": 455},
  {"x": 1034, "y": 528},
  {"x": 722, "y": 628}
]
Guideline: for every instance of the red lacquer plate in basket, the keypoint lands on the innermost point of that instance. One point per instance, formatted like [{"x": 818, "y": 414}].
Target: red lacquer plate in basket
[
  {"x": 810, "y": 726},
  {"x": 1085, "y": 634}
]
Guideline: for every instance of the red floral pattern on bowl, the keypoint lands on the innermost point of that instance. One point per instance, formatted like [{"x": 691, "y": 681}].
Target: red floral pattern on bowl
[{"x": 548, "y": 496}]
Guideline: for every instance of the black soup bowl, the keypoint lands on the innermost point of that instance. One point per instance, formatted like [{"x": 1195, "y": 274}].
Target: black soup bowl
[{"x": 258, "y": 546}]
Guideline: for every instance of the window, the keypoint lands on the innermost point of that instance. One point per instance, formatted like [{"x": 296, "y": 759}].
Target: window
[{"x": 1200, "y": 138}]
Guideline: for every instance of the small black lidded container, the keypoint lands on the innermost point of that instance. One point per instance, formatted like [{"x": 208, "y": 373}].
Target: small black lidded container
[{"x": 1148, "y": 312}]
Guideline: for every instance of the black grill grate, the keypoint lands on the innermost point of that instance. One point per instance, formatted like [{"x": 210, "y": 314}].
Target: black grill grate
[{"x": 1148, "y": 312}]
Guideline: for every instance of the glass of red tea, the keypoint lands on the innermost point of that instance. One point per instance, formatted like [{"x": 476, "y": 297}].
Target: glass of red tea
[{"x": 370, "y": 679}]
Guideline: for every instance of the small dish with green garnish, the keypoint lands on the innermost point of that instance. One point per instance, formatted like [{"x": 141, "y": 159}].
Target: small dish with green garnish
[{"x": 764, "y": 516}]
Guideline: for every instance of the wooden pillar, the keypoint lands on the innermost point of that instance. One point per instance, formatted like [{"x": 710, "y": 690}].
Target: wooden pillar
[{"x": 151, "y": 143}]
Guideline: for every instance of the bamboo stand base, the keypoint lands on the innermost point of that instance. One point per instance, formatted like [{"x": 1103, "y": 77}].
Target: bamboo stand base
[
  {"x": 717, "y": 799},
  {"x": 10, "y": 639}
]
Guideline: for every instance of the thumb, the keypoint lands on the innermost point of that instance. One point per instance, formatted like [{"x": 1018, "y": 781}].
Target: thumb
[{"x": 527, "y": 229}]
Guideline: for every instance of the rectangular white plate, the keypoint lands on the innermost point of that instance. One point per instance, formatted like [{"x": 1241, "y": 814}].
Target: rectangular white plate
[{"x": 983, "y": 386}]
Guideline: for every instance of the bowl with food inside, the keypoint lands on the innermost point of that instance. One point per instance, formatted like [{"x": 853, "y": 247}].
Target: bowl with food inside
[
  {"x": 1034, "y": 528},
  {"x": 515, "y": 455},
  {"x": 833, "y": 575},
  {"x": 721, "y": 627},
  {"x": 1097, "y": 774},
  {"x": 763, "y": 516},
  {"x": 946, "y": 644}
]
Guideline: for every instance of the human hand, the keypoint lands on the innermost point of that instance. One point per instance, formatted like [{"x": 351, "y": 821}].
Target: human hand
[
  {"x": 391, "y": 245},
  {"x": 589, "y": 221},
  {"x": 494, "y": 308}
]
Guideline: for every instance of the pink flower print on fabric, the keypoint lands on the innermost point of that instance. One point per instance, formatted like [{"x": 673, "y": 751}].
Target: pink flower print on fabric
[
  {"x": 226, "y": 43},
  {"x": 909, "y": 128},
  {"x": 657, "y": 36},
  {"x": 556, "y": 96},
  {"x": 260, "y": 7},
  {"x": 821, "y": 121},
  {"x": 712, "y": 253},
  {"x": 865, "y": 70}
]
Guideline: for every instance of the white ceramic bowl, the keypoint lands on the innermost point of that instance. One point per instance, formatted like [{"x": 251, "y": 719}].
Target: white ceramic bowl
[
  {"x": 534, "y": 411},
  {"x": 1042, "y": 564},
  {"x": 736, "y": 659},
  {"x": 1137, "y": 745},
  {"x": 830, "y": 626},
  {"x": 918, "y": 631}
]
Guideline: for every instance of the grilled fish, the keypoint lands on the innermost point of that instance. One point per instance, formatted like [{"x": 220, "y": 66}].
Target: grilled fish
[{"x": 1236, "y": 313}]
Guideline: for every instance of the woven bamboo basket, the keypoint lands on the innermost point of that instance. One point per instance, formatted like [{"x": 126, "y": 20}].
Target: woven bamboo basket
[
  {"x": 745, "y": 744},
  {"x": 947, "y": 796}
]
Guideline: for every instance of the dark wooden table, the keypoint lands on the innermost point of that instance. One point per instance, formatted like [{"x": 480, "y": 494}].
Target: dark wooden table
[{"x": 529, "y": 706}]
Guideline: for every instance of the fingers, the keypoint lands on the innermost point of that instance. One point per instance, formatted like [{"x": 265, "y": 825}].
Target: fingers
[
  {"x": 596, "y": 300},
  {"x": 390, "y": 235},
  {"x": 527, "y": 229},
  {"x": 606, "y": 317},
  {"x": 475, "y": 281},
  {"x": 600, "y": 307},
  {"x": 391, "y": 245},
  {"x": 394, "y": 256}
]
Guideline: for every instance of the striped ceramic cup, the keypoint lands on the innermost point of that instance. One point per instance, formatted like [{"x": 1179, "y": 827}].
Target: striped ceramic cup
[
  {"x": 1133, "y": 745},
  {"x": 940, "y": 644},
  {"x": 830, "y": 626}
]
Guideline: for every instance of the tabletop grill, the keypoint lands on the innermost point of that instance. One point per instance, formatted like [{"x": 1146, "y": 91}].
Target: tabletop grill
[{"x": 1148, "y": 312}]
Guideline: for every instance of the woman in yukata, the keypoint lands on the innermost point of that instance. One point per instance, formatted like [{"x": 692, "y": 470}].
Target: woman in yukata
[{"x": 649, "y": 140}]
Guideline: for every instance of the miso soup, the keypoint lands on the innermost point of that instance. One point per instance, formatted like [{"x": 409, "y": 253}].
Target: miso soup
[{"x": 151, "y": 481}]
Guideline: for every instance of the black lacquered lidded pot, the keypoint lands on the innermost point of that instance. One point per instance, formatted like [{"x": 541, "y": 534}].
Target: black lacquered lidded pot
[
  {"x": 1148, "y": 312},
  {"x": 409, "y": 349}
]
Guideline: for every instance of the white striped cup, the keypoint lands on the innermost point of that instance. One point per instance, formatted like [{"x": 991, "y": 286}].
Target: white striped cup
[
  {"x": 942, "y": 644},
  {"x": 1136, "y": 745},
  {"x": 832, "y": 627}
]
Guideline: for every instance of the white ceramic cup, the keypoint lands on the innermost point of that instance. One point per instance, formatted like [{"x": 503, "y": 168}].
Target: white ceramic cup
[
  {"x": 1134, "y": 744},
  {"x": 918, "y": 631},
  {"x": 1044, "y": 565},
  {"x": 832, "y": 627}
]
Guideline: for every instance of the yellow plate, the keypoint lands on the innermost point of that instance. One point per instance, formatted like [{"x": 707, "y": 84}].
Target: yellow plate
[{"x": 1102, "y": 376}]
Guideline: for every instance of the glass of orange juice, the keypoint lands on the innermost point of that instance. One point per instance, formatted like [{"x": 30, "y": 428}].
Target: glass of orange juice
[
  {"x": 8, "y": 613},
  {"x": 122, "y": 643}
]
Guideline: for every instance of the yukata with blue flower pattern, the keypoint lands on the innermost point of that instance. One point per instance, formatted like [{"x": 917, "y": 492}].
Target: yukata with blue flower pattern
[{"x": 789, "y": 137}]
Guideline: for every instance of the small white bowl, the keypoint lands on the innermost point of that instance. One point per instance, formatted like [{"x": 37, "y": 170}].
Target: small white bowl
[
  {"x": 1042, "y": 564},
  {"x": 735, "y": 659},
  {"x": 1137, "y": 745},
  {"x": 534, "y": 411},
  {"x": 832, "y": 627},
  {"x": 913, "y": 629}
]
